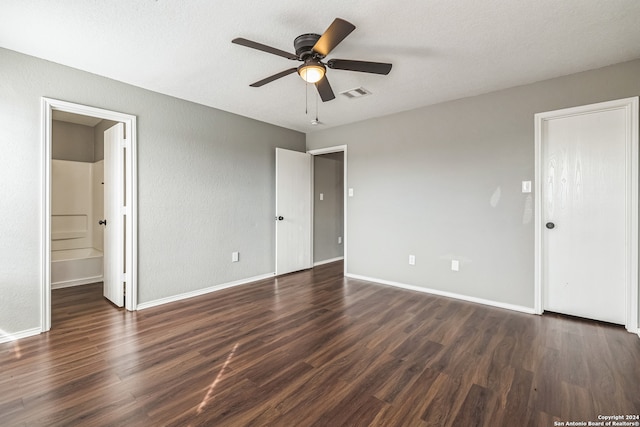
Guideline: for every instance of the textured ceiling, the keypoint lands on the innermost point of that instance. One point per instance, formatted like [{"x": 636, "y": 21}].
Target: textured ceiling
[{"x": 440, "y": 49}]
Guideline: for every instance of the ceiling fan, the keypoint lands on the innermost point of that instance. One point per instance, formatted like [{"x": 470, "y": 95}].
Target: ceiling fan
[{"x": 311, "y": 49}]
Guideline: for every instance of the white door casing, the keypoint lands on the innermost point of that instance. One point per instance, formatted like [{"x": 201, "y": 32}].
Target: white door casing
[
  {"x": 293, "y": 211},
  {"x": 586, "y": 182},
  {"x": 130, "y": 258},
  {"x": 113, "y": 214}
]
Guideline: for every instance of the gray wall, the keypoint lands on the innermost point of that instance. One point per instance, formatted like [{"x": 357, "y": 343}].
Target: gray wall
[
  {"x": 328, "y": 214},
  {"x": 444, "y": 182},
  {"x": 71, "y": 141},
  {"x": 205, "y": 186}
]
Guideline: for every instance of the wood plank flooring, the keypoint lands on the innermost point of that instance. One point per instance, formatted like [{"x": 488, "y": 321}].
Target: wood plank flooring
[{"x": 314, "y": 349}]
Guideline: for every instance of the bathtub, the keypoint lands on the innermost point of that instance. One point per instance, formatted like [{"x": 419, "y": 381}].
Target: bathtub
[{"x": 74, "y": 267}]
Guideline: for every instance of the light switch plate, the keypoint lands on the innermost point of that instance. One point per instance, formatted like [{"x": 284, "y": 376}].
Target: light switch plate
[
  {"x": 351, "y": 192},
  {"x": 526, "y": 186},
  {"x": 321, "y": 196},
  {"x": 455, "y": 265}
]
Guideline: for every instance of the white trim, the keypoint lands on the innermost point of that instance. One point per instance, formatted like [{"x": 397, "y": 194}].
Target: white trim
[
  {"x": 76, "y": 282},
  {"x": 467, "y": 298},
  {"x": 633, "y": 313},
  {"x": 329, "y": 150},
  {"x": 199, "y": 292},
  {"x": 4, "y": 337},
  {"x": 131, "y": 260},
  {"x": 45, "y": 242},
  {"x": 327, "y": 261},
  {"x": 631, "y": 294},
  {"x": 310, "y": 216}
]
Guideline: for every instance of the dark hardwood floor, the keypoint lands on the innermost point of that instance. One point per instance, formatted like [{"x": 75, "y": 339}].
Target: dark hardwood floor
[{"x": 314, "y": 349}]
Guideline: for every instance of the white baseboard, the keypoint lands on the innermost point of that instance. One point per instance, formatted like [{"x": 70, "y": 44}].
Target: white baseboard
[
  {"x": 512, "y": 307},
  {"x": 327, "y": 261},
  {"x": 77, "y": 282},
  {"x": 199, "y": 292},
  {"x": 6, "y": 337}
]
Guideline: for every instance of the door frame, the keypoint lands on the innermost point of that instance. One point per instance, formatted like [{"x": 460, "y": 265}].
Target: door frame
[
  {"x": 630, "y": 105},
  {"x": 329, "y": 150},
  {"x": 48, "y": 105}
]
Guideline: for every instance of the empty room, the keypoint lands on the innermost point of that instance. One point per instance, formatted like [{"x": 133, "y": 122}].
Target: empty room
[{"x": 414, "y": 213}]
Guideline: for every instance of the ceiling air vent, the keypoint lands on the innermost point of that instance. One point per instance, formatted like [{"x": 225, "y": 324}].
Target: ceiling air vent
[{"x": 358, "y": 92}]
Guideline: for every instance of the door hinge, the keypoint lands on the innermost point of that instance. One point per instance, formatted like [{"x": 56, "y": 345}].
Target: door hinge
[
  {"x": 124, "y": 279},
  {"x": 124, "y": 210},
  {"x": 124, "y": 143}
]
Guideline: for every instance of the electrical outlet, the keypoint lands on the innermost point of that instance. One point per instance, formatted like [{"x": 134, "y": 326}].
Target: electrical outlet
[
  {"x": 235, "y": 256},
  {"x": 412, "y": 260},
  {"x": 455, "y": 265}
]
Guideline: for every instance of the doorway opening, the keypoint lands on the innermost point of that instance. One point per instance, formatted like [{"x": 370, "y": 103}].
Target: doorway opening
[
  {"x": 74, "y": 215},
  {"x": 329, "y": 205}
]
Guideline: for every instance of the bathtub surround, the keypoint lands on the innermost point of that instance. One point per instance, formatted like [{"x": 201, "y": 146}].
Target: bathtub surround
[
  {"x": 97, "y": 206},
  {"x": 71, "y": 205},
  {"x": 76, "y": 207},
  {"x": 76, "y": 200},
  {"x": 75, "y": 267},
  {"x": 205, "y": 186}
]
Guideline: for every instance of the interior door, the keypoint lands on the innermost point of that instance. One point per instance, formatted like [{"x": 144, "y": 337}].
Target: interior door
[
  {"x": 584, "y": 214},
  {"x": 293, "y": 211},
  {"x": 113, "y": 288}
]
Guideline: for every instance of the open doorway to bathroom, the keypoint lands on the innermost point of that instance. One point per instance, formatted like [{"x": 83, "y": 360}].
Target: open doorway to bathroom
[
  {"x": 89, "y": 185},
  {"x": 77, "y": 199}
]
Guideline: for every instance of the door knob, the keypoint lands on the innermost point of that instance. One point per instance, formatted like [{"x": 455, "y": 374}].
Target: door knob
[
  {"x": 102, "y": 222},
  {"x": 550, "y": 225},
  {"x": 279, "y": 218}
]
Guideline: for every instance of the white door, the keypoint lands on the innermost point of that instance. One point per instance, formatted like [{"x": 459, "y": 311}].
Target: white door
[
  {"x": 585, "y": 213},
  {"x": 293, "y": 211},
  {"x": 113, "y": 288}
]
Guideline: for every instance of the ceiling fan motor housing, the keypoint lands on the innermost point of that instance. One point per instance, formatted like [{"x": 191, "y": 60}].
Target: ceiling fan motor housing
[{"x": 304, "y": 46}]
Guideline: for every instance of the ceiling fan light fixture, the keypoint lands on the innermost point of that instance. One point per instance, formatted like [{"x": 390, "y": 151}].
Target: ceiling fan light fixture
[{"x": 312, "y": 71}]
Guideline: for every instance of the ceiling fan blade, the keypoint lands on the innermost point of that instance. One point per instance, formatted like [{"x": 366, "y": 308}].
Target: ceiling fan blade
[
  {"x": 324, "y": 89},
  {"x": 263, "y": 47},
  {"x": 362, "y": 66},
  {"x": 274, "y": 77},
  {"x": 337, "y": 31}
]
